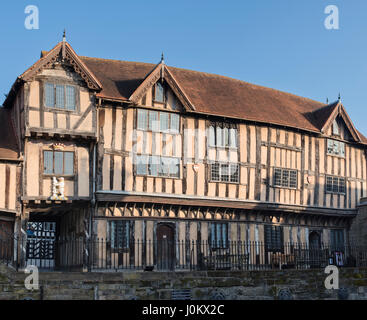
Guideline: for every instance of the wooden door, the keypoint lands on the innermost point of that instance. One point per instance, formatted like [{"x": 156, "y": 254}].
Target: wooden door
[
  {"x": 165, "y": 247},
  {"x": 6, "y": 240}
]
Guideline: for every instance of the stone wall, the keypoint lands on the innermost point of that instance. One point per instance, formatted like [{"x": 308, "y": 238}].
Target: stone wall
[{"x": 246, "y": 285}]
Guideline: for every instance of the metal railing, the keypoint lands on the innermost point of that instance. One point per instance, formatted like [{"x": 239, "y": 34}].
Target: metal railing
[{"x": 102, "y": 254}]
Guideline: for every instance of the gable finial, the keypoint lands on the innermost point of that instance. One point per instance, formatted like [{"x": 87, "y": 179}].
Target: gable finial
[
  {"x": 327, "y": 100},
  {"x": 63, "y": 44},
  {"x": 339, "y": 97},
  {"x": 162, "y": 58}
]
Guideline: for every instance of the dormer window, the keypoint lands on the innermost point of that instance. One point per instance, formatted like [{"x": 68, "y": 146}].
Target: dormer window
[
  {"x": 336, "y": 131},
  {"x": 60, "y": 96},
  {"x": 158, "y": 92}
]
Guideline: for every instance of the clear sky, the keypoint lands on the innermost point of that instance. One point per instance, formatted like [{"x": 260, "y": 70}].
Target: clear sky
[{"x": 282, "y": 44}]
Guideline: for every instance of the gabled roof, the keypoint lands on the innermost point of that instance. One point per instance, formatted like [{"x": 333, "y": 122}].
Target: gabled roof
[
  {"x": 62, "y": 51},
  {"x": 161, "y": 71},
  {"x": 8, "y": 144},
  {"x": 330, "y": 113}
]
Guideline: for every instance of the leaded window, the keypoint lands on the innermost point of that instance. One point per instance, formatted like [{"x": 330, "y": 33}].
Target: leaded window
[
  {"x": 335, "y": 184},
  {"x": 158, "y": 92},
  {"x": 222, "y": 136},
  {"x": 273, "y": 238},
  {"x": 335, "y": 147},
  {"x": 58, "y": 162},
  {"x": 157, "y": 166},
  {"x": 218, "y": 235},
  {"x": 158, "y": 121},
  {"x": 120, "y": 235},
  {"x": 285, "y": 178},
  {"x": 337, "y": 239},
  {"x": 60, "y": 96},
  {"x": 224, "y": 172}
]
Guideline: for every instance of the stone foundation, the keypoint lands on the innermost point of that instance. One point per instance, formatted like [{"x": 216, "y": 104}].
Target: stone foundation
[{"x": 246, "y": 285}]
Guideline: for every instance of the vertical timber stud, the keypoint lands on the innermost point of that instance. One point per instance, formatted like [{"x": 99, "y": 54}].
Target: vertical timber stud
[
  {"x": 268, "y": 151},
  {"x": 258, "y": 163}
]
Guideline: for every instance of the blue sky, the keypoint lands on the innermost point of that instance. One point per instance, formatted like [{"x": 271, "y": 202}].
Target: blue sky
[{"x": 281, "y": 44}]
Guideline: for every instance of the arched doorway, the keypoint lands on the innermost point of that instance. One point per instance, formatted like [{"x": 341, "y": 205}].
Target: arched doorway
[{"x": 165, "y": 246}]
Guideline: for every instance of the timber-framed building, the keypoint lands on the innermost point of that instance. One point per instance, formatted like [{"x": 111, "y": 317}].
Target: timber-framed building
[{"x": 128, "y": 151}]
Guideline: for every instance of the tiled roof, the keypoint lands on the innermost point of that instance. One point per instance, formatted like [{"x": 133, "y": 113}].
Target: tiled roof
[{"x": 212, "y": 94}]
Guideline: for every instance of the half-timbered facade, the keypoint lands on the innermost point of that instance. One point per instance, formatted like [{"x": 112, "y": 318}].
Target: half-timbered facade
[{"x": 129, "y": 151}]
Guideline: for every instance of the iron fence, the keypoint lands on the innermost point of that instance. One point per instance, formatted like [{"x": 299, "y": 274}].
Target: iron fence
[{"x": 149, "y": 255}]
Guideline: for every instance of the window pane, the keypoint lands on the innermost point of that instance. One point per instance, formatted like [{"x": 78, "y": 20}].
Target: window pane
[
  {"x": 174, "y": 170},
  {"x": 164, "y": 120},
  {"x": 342, "y": 149},
  {"x": 154, "y": 163},
  {"x": 60, "y": 103},
  {"x": 58, "y": 162},
  {"x": 336, "y": 147},
  {"x": 335, "y": 185},
  {"x": 225, "y": 137},
  {"x": 142, "y": 165},
  {"x": 219, "y": 141},
  {"x": 212, "y": 234},
  {"x": 70, "y": 98},
  {"x": 211, "y": 136},
  {"x": 153, "y": 121},
  {"x": 234, "y": 173},
  {"x": 330, "y": 146},
  {"x": 342, "y": 185},
  {"x": 335, "y": 128},
  {"x": 218, "y": 236},
  {"x": 215, "y": 172},
  {"x": 278, "y": 177},
  {"x": 293, "y": 179},
  {"x": 69, "y": 163},
  {"x": 233, "y": 137},
  {"x": 224, "y": 172},
  {"x": 159, "y": 92},
  {"x": 142, "y": 119},
  {"x": 224, "y": 235},
  {"x": 329, "y": 184},
  {"x": 164, "y": 167},
  {"x": 285, "y": 178},
  {"x": 175, "y": 123},
  {"x": 48, "y": 162},
  {"x": 49, "y": 95}
]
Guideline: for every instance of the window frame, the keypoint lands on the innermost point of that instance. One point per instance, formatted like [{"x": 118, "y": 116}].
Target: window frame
[
  {"x": 223, "y": 243},
  {"x": 333, "y": 179},
  {"x": 341, "y": 148},
  {"x": 229, "y": 165},
  {"x": 289, "y": 174},
  {"x": 115, "y": 237},
  {"x": 159, "y": 171},
  {"x": 276, "y": 235},
  {"x": 64, "y": 84},
  {"x": 158, "y": 127},
  {"x": 154, "y": 93},
  {"x": 63, "y": 163},
  {"x": 222, "y": 136}
]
